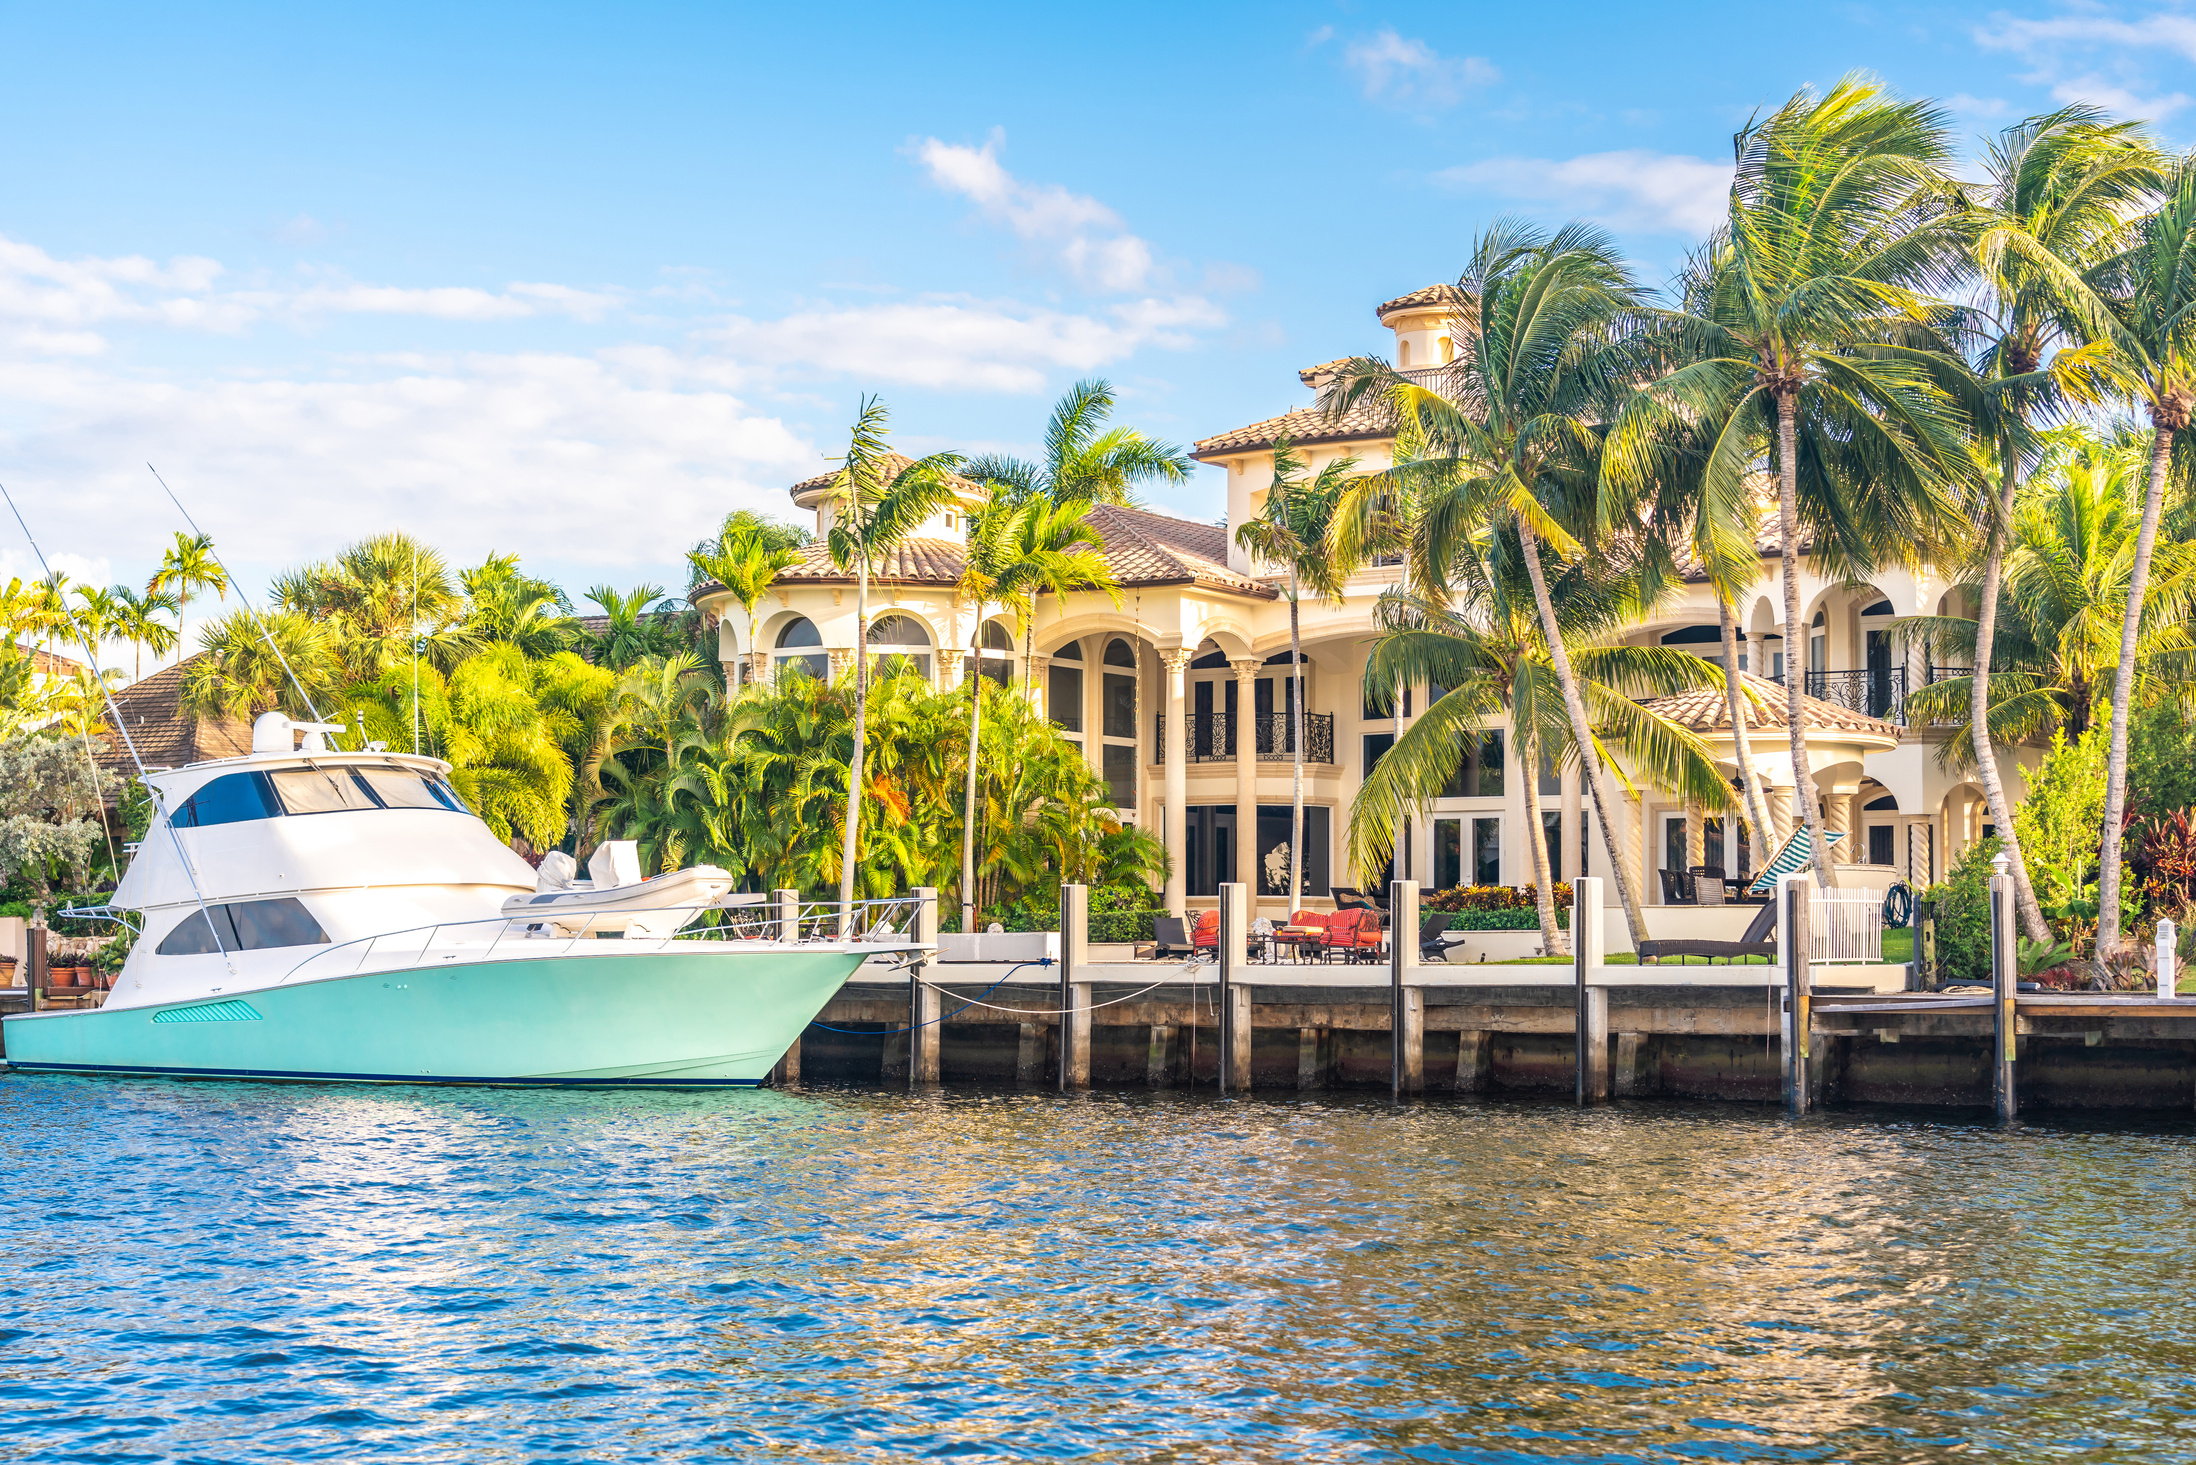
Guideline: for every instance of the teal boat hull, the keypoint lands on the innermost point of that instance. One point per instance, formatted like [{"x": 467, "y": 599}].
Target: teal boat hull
[{"x": 689, "y": 1018}]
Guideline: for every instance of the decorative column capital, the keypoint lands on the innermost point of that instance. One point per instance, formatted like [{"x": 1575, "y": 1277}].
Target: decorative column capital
[
  {"x": 949, "y": 666},
  {"x": 1246, "y": 670},
  {"x": 1038, "y": 666},
  {"x": 842, "y": 661},
  {"x": 1177, "y": 659}
]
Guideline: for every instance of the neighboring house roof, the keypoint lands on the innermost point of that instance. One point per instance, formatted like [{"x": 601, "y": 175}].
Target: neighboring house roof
[
  {"x": 1140, "y": 547},
  {"x": 1443, "y": 294},
  {"x": 1316, "y": 376},
  {"x": 165, "y": 735},
  {"x": 45, "y": 663},
  {"x": 1709, "y": 711},
  {"x": 894, "y": 465}
]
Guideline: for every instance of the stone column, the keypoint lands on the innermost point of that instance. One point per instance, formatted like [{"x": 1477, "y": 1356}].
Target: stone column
[
  {"x": 842, "y": 661},
  {"x": 1246, "y": 783},
  {"x": 1176, "y": 664},
  {"x": 1094, "y": 706},
  {"x": 949, "y": 667},
  {"x": 1038, "y": 675}
]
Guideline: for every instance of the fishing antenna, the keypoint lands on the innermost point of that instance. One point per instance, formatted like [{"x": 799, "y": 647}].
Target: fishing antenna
[
  {"x": 91, "y": 652},
  {"x": 242, "y": 599}
]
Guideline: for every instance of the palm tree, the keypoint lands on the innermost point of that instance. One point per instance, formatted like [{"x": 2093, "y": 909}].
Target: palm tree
[
  {"x": 390, "y": 601},
  {"x": 871, "y": 513},
  {"x": 284, "y": 659},
  {"x": 634, "y": 628},
  {"x": 745, "y": 559},
  {"x": 1017, "y": 550},
  {"x": 137, "y": 621},
  {"x": 1085, "y": 459},
  {"x": 2061, "y": 192},
  {"x": 1510, "y": 436},
  {"x": 506, "y": 604},
  {"x": 2064, "y": 591},
  {"x": 2150, "y": 288},
  {"x": 1809, "y": 337},
  {"x": 187, "y": 568},
  {"x": 1292, "y": 529},
  {"x": 1482, "y": 641}
]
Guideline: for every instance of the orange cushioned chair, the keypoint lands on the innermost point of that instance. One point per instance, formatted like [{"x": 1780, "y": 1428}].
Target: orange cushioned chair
[{"x": 1206, "y": 934}]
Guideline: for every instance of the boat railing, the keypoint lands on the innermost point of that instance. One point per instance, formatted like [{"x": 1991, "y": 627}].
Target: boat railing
[{"x": 537, "y": 934}]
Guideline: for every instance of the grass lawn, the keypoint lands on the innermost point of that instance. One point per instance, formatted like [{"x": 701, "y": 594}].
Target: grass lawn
[{"x": 1898, "y": 949}]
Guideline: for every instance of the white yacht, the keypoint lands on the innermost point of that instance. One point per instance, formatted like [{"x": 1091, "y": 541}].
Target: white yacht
[{"x": 312, "y": 914}]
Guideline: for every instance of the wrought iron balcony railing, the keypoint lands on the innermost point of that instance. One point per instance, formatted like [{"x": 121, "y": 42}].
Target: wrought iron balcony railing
[
  {"x": 1212, "y": 737},
  {"x": 1875, "y": 691}
]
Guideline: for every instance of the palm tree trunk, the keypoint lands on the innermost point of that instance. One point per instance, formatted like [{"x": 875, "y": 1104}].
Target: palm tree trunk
[
  {"x": 1582, "y": 732},
  {"x": 1296, "y": 740},
  {"x": 1553, "y": 942},
  {"x": 2123, "y": 697},
  {"x": 1978, "y": 707},
  {"x": 975, "y": 681},
  {"x": 850, "y": 845},
  {"x": 1795, "y": 634},
  {"x": 1742, "y": 740}
]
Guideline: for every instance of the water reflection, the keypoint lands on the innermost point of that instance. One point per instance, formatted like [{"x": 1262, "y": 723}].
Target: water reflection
[{"x": 263, "y": 1274}]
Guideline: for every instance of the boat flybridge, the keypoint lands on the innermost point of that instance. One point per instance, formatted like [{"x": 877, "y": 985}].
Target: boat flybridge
[{"x": 306, "y": 913}]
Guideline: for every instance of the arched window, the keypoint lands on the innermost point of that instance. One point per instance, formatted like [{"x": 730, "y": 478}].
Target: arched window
[
  {"x": 900, "y": 644},
  {"x": 995, "y": 653},
  {"x": 1120, "y": 653},
  {"x": 1403, "y": 354},
  {"x": 793, "y": 649}
]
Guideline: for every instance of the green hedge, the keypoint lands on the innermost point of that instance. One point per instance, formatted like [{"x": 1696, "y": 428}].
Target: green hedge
[
  {"x": 1492, "y": 898},
  {"x": 1509, "y": 920},
  {"x": 1963, "y": 916}
]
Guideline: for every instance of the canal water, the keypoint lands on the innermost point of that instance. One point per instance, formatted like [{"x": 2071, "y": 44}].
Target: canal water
[{"x": 203, "y": 1272}]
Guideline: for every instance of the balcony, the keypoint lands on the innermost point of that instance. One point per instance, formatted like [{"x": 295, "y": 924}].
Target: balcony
[
  {"x": 1876, "y": 691},
  {"x": 1212, "y": 737}
]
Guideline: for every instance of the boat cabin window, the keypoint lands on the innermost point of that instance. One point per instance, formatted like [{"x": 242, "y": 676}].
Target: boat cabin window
[
  {"x": 229, "y": 799},
  {"x": 244, "y": 925},
  {"x": 234, "y": 797}
]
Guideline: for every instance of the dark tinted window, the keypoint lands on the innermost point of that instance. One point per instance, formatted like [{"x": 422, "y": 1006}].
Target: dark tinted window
[
  {"x": 229, "y": 799},
  {"x": 401, "y": 788},
  {"x": 245, "y": 925}
]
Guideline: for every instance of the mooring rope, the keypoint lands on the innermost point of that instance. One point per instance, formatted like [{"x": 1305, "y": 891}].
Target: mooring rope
[{"x": 890, "y": 1032}]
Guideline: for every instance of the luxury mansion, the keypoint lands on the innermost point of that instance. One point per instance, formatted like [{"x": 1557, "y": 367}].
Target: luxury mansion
[{"x": 1181, "y": 694}]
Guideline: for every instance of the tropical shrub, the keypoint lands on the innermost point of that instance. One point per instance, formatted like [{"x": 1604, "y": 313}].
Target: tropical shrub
[
  {"x": 1492, "y": 898},
  {"x": 50, "y": 827},
  {"x": 1962, "y": 907},
  {"x": 2060, "y": 825}
]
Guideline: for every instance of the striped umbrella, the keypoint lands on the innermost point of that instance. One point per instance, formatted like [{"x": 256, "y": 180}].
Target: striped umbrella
[{"x": 1798, "y": 851}]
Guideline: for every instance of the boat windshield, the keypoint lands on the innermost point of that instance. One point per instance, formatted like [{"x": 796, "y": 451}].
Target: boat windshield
[
  {"x": 244, "y": 925},
  {"x": 235, "y": 797}
]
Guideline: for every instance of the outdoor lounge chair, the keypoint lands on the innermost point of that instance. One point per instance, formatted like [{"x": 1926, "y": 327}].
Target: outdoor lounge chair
[
  {"x": 1677, "y": 888},
  {"x": 1170, "y": 938},
  {"x": 1759, "y": 939},
  {"x": 1205, "y": 935},
  {"x": 1350, "y": 898},
  {"x": 1435, "y": 938}
]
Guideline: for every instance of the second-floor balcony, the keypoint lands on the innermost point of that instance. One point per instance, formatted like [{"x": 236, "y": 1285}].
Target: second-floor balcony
[{"x": 1212, "y": 737}]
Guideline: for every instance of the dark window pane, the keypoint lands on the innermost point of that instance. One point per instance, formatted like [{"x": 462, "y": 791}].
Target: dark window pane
[
  {"x": 319, "y": 791},
  {"x": 1711, "y": 843},
  {"x": 1120, "y": 705},
  {"x": 193, "y": 937},
  {"x": 1489, "y": 767},
  {"x": 229, "y": 799},
  {"x": 1064, "y": 698},
  {"x": 1448, "y": 861},
  {"x": 1120, "y": 774},
  {"x": 1376, "y": 748},
  {"x": 1880, "y": 841},
  {"x": 1486, "y": 851},
  {"x": 261, "y": 924},
  {"x": 1270, "y": 859},
  {"x": 1551, "y": 830}
]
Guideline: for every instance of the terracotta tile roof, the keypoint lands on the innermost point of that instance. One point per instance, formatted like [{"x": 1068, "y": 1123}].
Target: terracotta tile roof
[
  {"x": 1709, "y": 711},
  {"x": 1369, "y": 420},
  {"x": 1316, "y": 376},
  {"x": 1141, "y": 548},
  {"x": 165, "y": 735},
  {"x": 45, "y": 663},
  {"x": 894, "y": 465},
  {"x": 1443, "y": 294}
]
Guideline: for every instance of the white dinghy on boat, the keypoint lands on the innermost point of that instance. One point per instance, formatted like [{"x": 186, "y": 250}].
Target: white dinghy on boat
[{"x": 614, "y": 897}]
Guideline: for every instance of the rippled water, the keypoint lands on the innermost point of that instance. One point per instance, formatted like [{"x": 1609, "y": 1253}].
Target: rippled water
[{"x": 236, "y": 1273}]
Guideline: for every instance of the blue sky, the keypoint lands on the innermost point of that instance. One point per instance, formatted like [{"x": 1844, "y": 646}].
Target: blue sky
[{"x": 572, "y": 281}]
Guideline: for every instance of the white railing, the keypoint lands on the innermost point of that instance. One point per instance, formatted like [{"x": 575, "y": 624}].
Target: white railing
[
  {"x": 1845, "y": 926},
  {"x": 531, "y": 935}
]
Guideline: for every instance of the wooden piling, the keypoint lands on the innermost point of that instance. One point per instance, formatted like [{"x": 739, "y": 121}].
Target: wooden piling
[
  {"x": 1233, "y": 953},
  {"x": 1590, "y": 1004},
  {"x": 926, "y": 1031},
  {"x": 1074, "y": 1067},
  {"x": 2005, "y": 982},
  {"x": 1159, "y": 1055},
  {"x": 1795, "y": 935},
  {"x": 1406, "y": 1004},
  {"x": 1474, "y": 1060},
  {"x": 34, "y": 958},
  {"x": 1029, "y": 1054},
  {"x": 1314, "y": 1057}
]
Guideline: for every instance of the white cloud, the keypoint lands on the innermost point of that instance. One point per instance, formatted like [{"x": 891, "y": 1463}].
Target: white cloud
[
  {"x": 970, "y": 344},
  {"x": 1629, "y": 189},
  {"x": 1406, "y": 73},
  {"x": 1088, "y": 238},
  {"x": 2090, "y": 56},
  {"x": 561, "y": 456}
]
